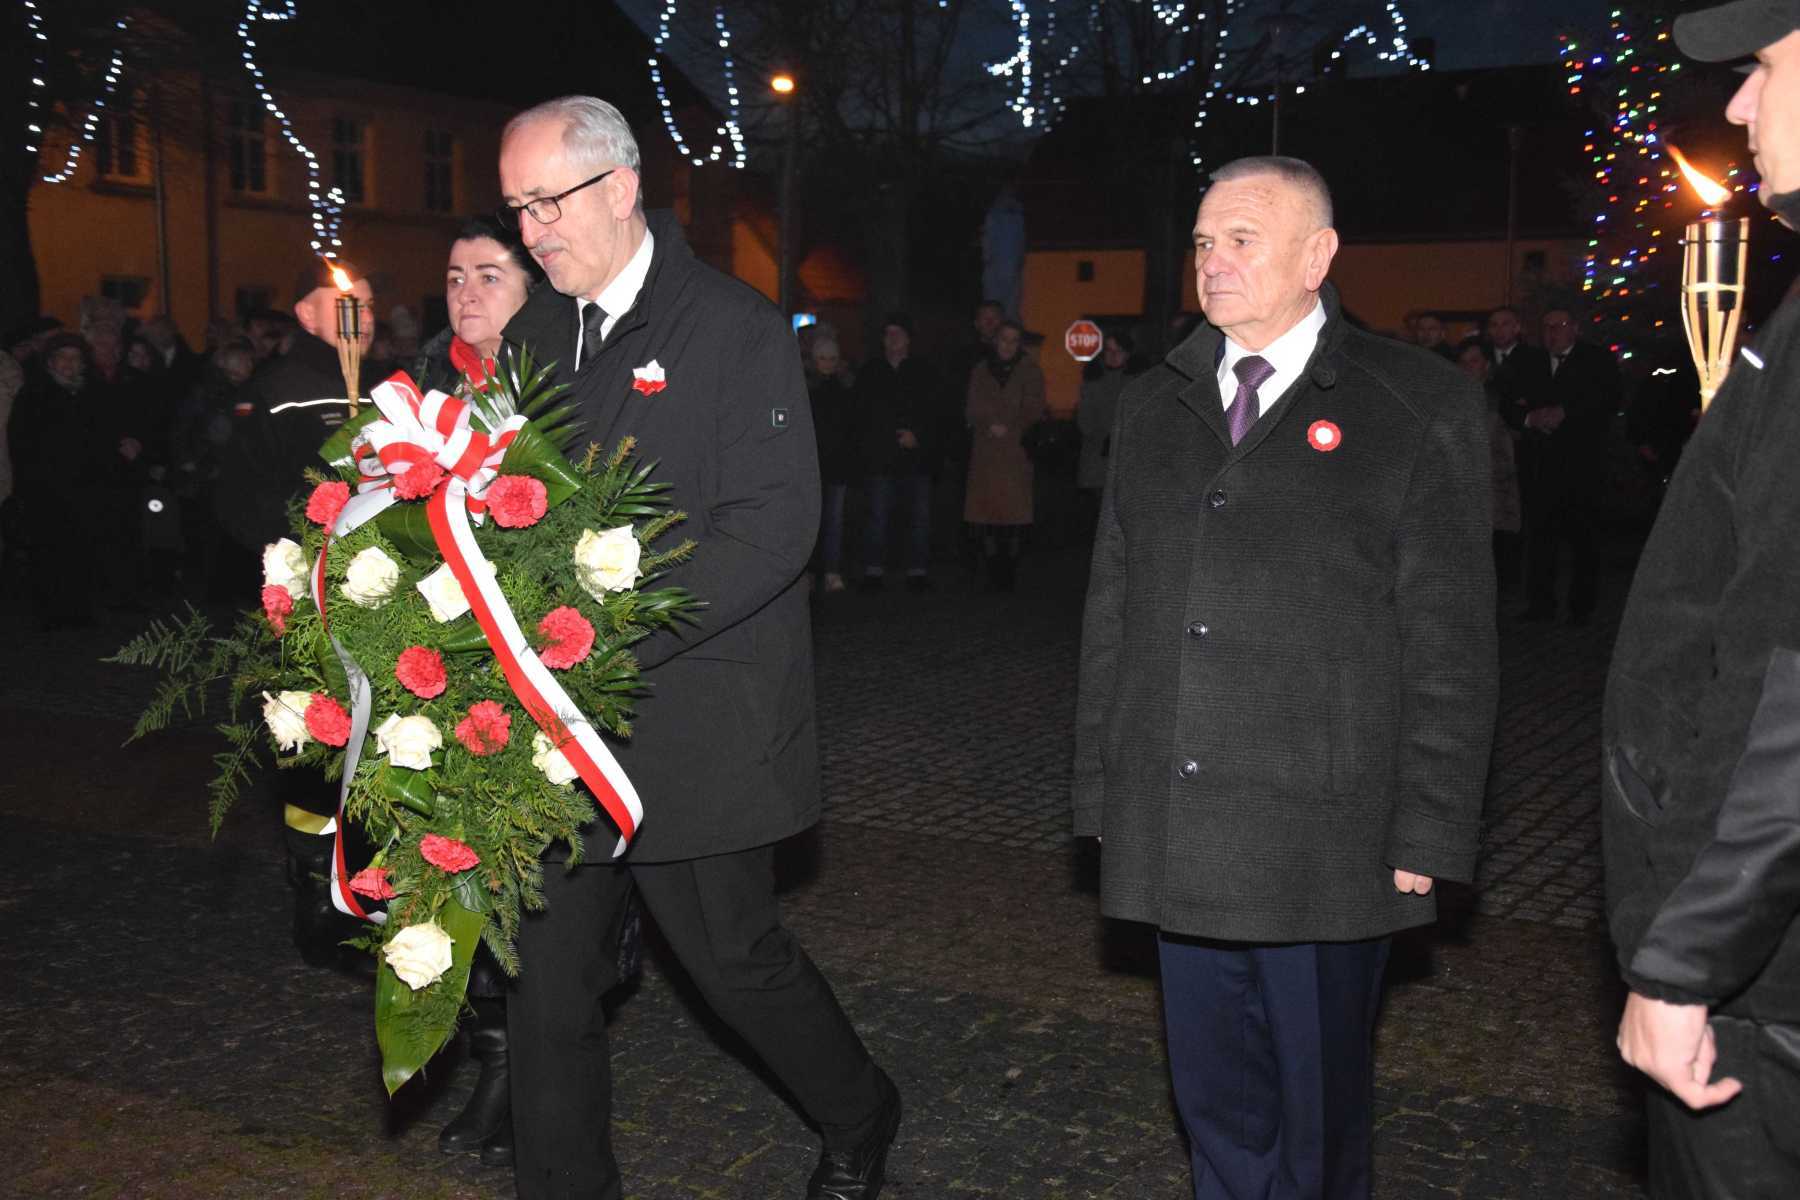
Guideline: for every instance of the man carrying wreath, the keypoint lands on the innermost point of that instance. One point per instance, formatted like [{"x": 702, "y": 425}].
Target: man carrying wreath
[{"x": 704, "y": 373}]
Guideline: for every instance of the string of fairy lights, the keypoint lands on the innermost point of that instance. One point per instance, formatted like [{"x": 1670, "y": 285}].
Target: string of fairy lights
[
  {"x": 327, "y": 206},
  {"x": 34, "y": 104},
  {"x": 1637, "y": 179},
  {"x": 730, "y": 131},
  {"x": 1036, "y": 100}
]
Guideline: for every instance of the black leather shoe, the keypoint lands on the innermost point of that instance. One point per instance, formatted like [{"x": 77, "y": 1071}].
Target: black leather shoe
[
  {"x": 870, "y": 584},
  {"x": 857, "y": 1173},
  {"x": 489, "y": 1108},
  {"x": 497, "y": 1151}
]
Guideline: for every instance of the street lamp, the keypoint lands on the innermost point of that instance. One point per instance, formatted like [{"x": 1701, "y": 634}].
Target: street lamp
[{"x": 784, "y": 87}]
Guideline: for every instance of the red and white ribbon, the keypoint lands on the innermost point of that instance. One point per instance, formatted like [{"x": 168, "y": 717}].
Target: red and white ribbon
[{"x": 434, "y": 427}]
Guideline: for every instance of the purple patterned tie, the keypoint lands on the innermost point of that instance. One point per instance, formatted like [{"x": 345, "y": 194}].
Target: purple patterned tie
[{"x": 1252, "y": 373}]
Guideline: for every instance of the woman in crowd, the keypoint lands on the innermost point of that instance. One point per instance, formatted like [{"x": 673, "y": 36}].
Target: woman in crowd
[
  {"x": 1005, "y": 398},
  {"x": 485, "y": 282},
  {"x": 1102, "y": 381},
  {"x": 835, "y": 426},
  {"x": 67, "y": 458},
  {"x": 1472, "y": 357}
]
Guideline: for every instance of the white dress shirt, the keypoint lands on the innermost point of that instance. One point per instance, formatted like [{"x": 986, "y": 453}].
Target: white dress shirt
[
  {"x": 617, "y": 297},
  {"x": 1287, "y": 354}
]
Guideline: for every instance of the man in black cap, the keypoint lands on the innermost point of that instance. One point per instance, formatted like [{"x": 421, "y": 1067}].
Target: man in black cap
[
  {"x": 289, "y": 407},
  {"x": 1701, "y": 774}
]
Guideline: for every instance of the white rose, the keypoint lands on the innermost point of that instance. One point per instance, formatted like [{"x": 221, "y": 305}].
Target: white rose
[
  {"x": 370, "y": 578},
  {"x": 607, "y": 562},
  {"x": 420, "y": 954},
  {"x": 285, "y": 715},
  {"x": 551, "y": 761},
  {"x": 445, "y": 595},
  {"x": 284, "y": 566},
  {"x": 408, "y": 741}
]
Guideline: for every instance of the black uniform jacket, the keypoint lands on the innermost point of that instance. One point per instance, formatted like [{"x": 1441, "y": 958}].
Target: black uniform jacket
[
  {"x": 724, "y": 751},
  {"x": 1701, "y": 792},
  {"x": 261, "y": 468},
  {"x": 1288, "y": 666}
]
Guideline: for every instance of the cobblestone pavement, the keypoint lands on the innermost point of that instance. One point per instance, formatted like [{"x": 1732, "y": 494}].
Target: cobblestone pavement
[{"x": 161, "y": 1039}]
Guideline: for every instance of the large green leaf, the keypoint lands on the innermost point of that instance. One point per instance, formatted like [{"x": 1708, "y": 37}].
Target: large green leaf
[
  {"x": 414, "y": 789},
  {"x": 407, "y": 1028},
  {"x": 408, "y": 527},
  {"x": 533, "y": 454},
  {"x": 336, "y": 450},
  {"x": 461, "y": 635}
]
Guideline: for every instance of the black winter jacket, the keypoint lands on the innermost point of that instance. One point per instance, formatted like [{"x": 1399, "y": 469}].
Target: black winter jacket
[
  {"x": 724, "y": 750},
  {"x": 1701, "y": 769}
]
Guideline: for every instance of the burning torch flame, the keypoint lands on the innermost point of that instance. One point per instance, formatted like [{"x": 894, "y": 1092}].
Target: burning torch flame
[
  {"x": 1711, "y": 194},
  {"x": 341, "y": 277}
]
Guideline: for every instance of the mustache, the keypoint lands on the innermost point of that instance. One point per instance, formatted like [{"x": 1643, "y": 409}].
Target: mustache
[{"x": 547, "y": 246}]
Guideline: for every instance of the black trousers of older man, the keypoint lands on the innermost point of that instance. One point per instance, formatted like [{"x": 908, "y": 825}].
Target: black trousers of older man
[
  {"x": 719, "y": 916},
  {"x": 1272, "y": 1060}
]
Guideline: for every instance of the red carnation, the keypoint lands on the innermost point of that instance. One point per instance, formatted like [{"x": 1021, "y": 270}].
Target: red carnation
[
  {"x": 418, "y": 481},
  {"x": 373, "y": 883},
  {"x": 517, "y": 500},
  {"x": 567, "y": 637},
  {"x": 486, "y": 729},
  {"x": 420, "y": 671},
  {"x": 447, "y": 854},
  {"x": 327, "y": 721},
  {"x": 278, "y": 603},
  {"x": 326, "y": 502}
]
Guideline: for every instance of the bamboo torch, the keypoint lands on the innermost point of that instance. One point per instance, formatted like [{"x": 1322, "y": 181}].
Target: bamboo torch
[
  {"x": 1714, "y": 256},
  {"x": 349, "y": 335}
]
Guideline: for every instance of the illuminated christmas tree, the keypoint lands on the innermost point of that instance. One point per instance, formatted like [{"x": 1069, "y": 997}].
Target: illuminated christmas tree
[{"x": 1631, "y": 270}]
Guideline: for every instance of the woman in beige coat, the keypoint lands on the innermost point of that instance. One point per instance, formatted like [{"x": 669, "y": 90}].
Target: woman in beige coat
[{"x": 1006, "y": 397}]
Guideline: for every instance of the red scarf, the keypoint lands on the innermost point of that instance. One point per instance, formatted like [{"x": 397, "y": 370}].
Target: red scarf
[{"x": 466, "y": 359}]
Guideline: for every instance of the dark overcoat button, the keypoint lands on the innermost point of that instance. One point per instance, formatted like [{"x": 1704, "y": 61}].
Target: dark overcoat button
[
  {"x": 1216, "y": 500},
  {"x": 1188, "y": 769},
  {"x": 1198, "y": 629}
]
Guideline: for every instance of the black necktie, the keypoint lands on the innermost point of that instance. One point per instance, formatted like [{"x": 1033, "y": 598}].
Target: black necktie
[{"x": 593, "y": 317}]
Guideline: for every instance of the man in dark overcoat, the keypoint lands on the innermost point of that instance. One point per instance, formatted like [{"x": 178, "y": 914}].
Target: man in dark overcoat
[
  {"x": 1700, "y": 779},
  {"x": 1288, "y": 682},
  {"x": 705, "y": 374},
  {"x": 1562, "y": 466},
  {"x": 900, "y": 410}
]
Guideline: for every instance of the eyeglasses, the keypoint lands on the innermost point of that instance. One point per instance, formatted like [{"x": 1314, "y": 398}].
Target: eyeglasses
[{"x": 546, "y": 210}]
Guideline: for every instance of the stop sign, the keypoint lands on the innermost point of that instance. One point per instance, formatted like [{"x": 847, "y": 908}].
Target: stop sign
[{"x": 1084, "y": 340}]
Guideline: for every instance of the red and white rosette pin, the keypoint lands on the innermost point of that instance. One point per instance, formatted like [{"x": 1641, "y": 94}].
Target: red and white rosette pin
[
  {"x": 1324, "y": 436},
  {"x": 649, "y": 379}
]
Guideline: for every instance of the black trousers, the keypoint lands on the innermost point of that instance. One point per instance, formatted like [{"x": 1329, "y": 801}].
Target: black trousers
[
  {"x": 1549, "y": 524},
  {"x": 1747, "y": 1148},
  {"x": 719, "y": 916}
]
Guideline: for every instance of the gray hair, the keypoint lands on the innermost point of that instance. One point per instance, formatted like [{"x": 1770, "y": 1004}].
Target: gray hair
[
  {"x": 595, "y": 134},
  {"x": 825, "y": 345},
  {"x": 1295, "y": 172}
]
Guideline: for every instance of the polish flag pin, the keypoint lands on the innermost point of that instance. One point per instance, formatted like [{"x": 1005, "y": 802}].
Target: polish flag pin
[
  {"x": 649, "y": 378},
  {"x": 1324, "y": 436}
]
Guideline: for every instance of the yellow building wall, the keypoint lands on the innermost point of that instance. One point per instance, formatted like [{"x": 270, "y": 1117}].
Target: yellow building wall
[
  {"x": 89, "y": 228},
  {"x": 1054, "y": 296},
  {"x": 753, "y": 260},
  {"x": 1383, "y": 281}
]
